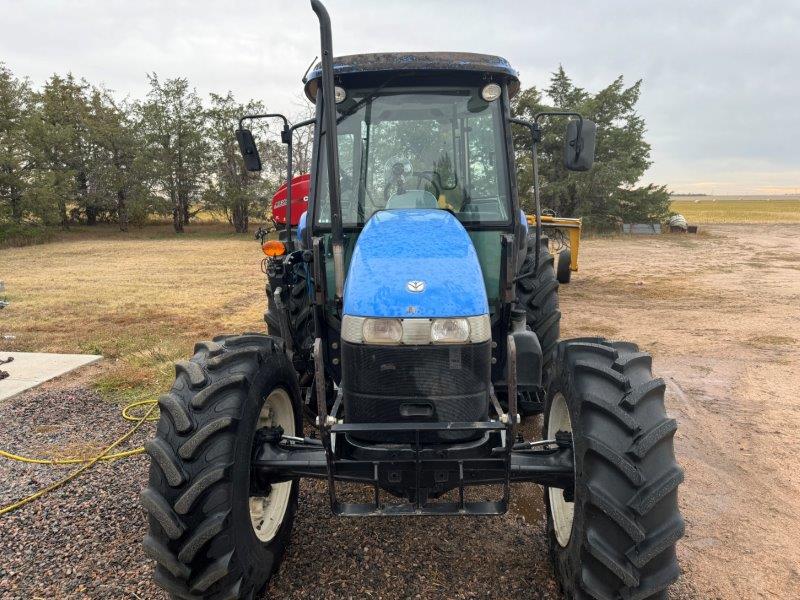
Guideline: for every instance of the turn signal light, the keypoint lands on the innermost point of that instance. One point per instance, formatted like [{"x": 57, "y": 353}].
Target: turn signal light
[{"x": 273, "y": 248}]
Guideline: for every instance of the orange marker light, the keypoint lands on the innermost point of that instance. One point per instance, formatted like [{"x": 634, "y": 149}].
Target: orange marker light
[{"x": 273, "y": 248}]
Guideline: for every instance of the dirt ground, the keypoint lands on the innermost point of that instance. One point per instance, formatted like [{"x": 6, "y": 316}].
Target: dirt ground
[{"x": 719, "y": 312}]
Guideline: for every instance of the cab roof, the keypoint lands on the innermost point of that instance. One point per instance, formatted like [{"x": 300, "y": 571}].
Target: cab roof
[{"x": 358, "y": 66}]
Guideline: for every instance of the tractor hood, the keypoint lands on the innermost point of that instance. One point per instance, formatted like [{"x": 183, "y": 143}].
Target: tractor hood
[{"x": 414, "y": 263}]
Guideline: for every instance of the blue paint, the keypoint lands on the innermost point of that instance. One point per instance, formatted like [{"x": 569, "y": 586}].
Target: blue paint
[
  {"x": 301, "y": 228},
  {"x": 398, "y": 246}
]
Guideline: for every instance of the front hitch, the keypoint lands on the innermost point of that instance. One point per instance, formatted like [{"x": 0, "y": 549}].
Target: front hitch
[{"x": 415, "y": 471}]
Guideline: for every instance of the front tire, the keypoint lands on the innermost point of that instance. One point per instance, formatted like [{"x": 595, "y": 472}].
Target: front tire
[
  {"x": 210, "y": 539},
  {"x": 615, "y": 538}
]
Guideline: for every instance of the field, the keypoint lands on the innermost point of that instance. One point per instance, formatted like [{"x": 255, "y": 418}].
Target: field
[
  {"x": 719, "y": 312},
  {"x": 738, "y": 209},
  {"x": 140, "y": 299}
]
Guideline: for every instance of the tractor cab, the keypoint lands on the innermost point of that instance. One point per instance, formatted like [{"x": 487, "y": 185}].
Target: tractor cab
[
  {"x": 421, "y": 132},
  {"x": 425, "y": 198},
  {"x": 413, "y": 261}
]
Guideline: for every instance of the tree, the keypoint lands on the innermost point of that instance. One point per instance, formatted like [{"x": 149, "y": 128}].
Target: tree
[
  {"x": 14, "y": 102},
  {"x": 644, "y": 204},
  {"x": 56, "y": 137},
  {"x": 231, "y": 188},
  {"x": 174, "y": 137},
  {"x": 608, "y": 192},
  {"x": 303, "y": 139},
  {"x": 120, "y": 172}
]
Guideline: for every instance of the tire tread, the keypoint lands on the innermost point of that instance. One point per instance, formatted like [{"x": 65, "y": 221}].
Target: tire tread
[
  {"x": 631, "y": 490},
  {"x": 193, "y": 523},
  {"x": 537, "y": 293}
]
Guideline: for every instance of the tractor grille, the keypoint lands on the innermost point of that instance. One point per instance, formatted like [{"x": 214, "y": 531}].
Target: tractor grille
[{"x": 396, "y": 384}]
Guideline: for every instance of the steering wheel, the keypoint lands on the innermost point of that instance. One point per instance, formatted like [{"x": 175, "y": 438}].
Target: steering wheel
[{"x": 431, "y": 176}]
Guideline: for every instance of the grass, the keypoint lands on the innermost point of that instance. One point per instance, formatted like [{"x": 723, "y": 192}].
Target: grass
[
  {"x": 24, "y": 235},
  {"x": 12, "y": 236},
  {"x": 738, "y": 209},
  {"x": 140, "y": 299}
]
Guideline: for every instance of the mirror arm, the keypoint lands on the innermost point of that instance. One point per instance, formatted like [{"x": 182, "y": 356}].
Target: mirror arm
[
  {"x": 286, "y": 137},
  {"x": 536, "y": 135},
  {"x": 265, "y": 116},
  {"x": 305, "y": 123},
  {"x": 578, "y": 139}
]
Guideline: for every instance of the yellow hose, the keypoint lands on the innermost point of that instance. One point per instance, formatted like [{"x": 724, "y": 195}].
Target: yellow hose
[
  {"x": 126, "y": 412},
  {"x": 147, "y": 415},
  {"x": 68, "y": 461}
]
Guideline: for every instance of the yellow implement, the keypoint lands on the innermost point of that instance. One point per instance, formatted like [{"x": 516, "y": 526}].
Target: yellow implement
[{"x": 572, "y": 228}]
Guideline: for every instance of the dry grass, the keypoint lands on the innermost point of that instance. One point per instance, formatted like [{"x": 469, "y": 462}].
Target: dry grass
[
  {"x": 141, "y": 300},
  {"x": 738, "y": 209}
]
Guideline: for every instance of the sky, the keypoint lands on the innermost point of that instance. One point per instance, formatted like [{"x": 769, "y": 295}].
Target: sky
[{"x": 721, "y": 78}]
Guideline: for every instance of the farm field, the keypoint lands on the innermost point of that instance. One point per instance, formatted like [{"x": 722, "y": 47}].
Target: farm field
[
  {"x": 152, "y": 295},
  {"x": 738, "y": 209},
  {"x": 697, "y": 303}
]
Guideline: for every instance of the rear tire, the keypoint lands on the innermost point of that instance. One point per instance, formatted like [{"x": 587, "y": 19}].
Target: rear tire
[
  {"x": 301, "y": 318},
  {"x": 616, "y": 538},
  {"x": 209, "y": 538},
  {"x": 537, "y": 293},
  {"x": 563, "y": 272}
]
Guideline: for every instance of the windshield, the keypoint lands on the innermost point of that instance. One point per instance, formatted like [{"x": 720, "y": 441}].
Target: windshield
[{"x": 418, "y": 149}]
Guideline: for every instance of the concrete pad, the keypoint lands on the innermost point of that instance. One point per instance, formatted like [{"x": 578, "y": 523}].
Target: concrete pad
[{"x": 29, "y": 369}]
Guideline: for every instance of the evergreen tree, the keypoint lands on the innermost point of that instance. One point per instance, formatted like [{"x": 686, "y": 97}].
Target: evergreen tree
[
  {"x": 608, "y": 193},
  {"x": 14, "y": 163},
  {"x": 59, "y": 150},
  {"x": 173, "y": 124},
  {"x": 120, "y": 171}
]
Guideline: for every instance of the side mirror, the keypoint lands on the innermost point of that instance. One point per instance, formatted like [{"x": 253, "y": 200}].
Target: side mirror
[
  {"x": 579, "y": 145},
  {"x": 249, "y": 150}
]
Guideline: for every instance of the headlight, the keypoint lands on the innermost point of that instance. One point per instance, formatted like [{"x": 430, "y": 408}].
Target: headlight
[
  {"x": 382, "y": 331},
  {"x": 416, "y": 331},
  {"x": 445, "y": 331}
]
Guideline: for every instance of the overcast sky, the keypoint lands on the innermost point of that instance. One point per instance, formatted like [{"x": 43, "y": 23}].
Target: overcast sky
[{"x": 721, "y": 94}]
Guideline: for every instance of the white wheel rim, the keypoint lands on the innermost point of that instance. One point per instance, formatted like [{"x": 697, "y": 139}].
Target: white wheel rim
[
  {"x": 267, "y": 512},
  {"x": 562, "y": 512}
]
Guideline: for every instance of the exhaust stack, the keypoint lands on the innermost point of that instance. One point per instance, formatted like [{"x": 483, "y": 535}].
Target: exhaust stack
[{"x": 331, "y": 143}]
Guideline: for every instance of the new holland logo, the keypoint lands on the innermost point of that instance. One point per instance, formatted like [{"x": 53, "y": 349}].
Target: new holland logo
[{"x": 415, "y": 286}]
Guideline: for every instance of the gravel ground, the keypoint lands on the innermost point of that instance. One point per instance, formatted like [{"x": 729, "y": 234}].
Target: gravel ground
[{"x": 82, "y": 541}]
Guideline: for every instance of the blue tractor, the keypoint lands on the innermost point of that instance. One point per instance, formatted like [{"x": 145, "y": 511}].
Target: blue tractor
[{"x": 414, "y": 316}]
